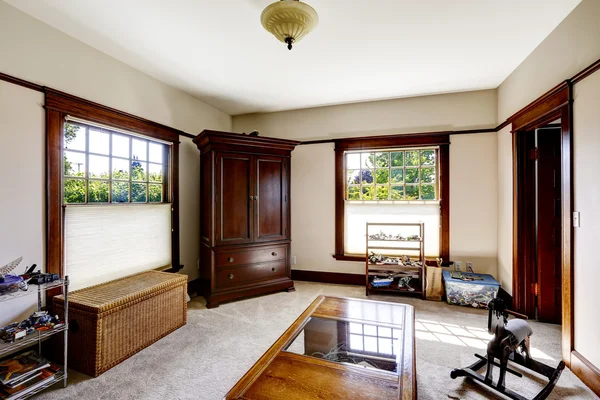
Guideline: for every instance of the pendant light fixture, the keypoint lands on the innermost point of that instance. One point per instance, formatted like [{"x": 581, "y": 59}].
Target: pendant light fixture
[{"x": 289, "y": 20}]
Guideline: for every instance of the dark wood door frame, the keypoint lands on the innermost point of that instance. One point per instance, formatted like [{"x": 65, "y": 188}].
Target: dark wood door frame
[{"x": 558, "y": 103}]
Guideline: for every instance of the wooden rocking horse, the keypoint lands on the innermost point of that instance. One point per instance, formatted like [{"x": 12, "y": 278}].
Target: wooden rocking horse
[{"x": 510, "y": 343}]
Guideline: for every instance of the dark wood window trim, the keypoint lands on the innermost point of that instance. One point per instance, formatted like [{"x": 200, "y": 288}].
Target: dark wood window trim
[
  {"x": 385, "y": 142},
  {"x": 58, "y": 105}
]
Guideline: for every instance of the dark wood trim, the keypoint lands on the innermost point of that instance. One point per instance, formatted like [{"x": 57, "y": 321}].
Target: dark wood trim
[
  {"x": 595, "y": 66},
  {"x": 88, "y": 110},
  {"x": 329, "y": 277},
  {"x": 21, "y": 82},
  {"x": 445, "y": 201},
  {"x": 381, "y": 142},
  {"x": 393, "y": 141},
  {"x": 586, "y": 371},
  {"x": 54, "y": 206},
  {"x": 348, "y": 257},
  {"x": 502, "y": 126},
  {"x": 58, "y": 105},
  {"x": 555, "y": 104}
]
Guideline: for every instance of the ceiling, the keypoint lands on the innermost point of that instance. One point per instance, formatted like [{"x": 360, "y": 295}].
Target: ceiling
[{"x": 362, "y": 50}]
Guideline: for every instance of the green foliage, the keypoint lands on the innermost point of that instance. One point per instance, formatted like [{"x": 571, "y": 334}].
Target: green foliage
[
  {"x": 120, "y": 192},
  {"x": 397, "y": 193},
  {"x": 382, "y": 176},
  {"x": 412, "y": 192},
  {"x": 97, "y": 191},
  {"x": 382, "y": 192},
  {"x": 412, "y": 158},
  {"x": 427, "y": 192},
  {"x": 155, "y": 193},
  {"x": 74, "y": 191}
]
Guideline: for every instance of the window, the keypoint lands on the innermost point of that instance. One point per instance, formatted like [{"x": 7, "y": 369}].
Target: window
[
  {"x": 104, "y": 166},
  {"x": 377, "y": 340},
  {"x": 392, "y": 175},
  {"x": 400, "y": 178}
]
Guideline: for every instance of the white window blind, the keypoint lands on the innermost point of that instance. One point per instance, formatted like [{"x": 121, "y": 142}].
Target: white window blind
[
  {"x": 358, "y": 213},
  {"x": 103, "y": 243}
]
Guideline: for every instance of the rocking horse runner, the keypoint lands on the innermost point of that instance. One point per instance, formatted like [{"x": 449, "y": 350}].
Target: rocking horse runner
[{"x": 510, "y": 343}]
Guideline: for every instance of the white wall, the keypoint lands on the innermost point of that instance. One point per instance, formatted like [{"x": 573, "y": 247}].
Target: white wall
[
  {"x": 472, "y": 158},
  {"x": 22, "y": 155},
  {"x": 34, "y": 51},
  {"x": 586, "y": 164}
]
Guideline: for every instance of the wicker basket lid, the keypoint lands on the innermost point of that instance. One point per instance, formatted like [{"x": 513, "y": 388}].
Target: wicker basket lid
[{"x": 105, "y": 296}]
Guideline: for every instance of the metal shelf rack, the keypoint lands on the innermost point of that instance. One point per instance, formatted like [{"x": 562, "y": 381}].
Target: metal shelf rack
[
  {"x": 380, "y": 246},
  {"x": 38, "y": 337}
]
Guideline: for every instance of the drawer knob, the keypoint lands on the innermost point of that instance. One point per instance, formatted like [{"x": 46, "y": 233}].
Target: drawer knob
[
  {"x": 231, "y": 276},
  {"x": 274, "y": 254},
  {"x": 273, "y": 269},
  {"x": 230, "y": 259},
  {"x": 251, "y": 197}
]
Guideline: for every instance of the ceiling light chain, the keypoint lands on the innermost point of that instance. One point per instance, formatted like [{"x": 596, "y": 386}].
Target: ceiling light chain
[{"x": 289, "y": 20}]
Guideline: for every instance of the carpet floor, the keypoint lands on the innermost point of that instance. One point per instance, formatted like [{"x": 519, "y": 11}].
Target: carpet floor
[{"x": 205, "y": 358}]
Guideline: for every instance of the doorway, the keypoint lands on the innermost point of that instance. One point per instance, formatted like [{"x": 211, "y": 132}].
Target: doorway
[{"x": 540, "y": 209}]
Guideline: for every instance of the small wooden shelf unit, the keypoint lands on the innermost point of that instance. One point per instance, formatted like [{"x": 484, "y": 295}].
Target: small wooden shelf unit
[{"x": 379, "y": 246}]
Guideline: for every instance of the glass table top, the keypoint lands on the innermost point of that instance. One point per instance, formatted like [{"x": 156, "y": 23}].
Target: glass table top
[{"x": 366, "y": 344}]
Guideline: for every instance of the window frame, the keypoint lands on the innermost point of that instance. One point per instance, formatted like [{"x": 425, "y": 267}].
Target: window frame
[
  {"x": 386, "y": 143},
  {"x": 58, "y": 106}
]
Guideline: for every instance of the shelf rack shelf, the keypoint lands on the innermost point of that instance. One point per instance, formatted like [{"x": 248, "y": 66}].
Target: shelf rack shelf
[
  {"x": 37, "y": 337},
  {"x": 417, "y": 251}
]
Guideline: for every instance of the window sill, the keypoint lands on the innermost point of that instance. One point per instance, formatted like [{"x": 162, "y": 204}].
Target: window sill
[{"x": 348, "y": 257}]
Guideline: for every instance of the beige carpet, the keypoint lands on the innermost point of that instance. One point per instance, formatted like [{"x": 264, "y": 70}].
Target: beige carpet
[{"x": 204, "y": 359}]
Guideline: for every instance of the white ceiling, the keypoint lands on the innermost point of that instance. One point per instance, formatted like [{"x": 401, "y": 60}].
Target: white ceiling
[{"x": 362, "y": 50}]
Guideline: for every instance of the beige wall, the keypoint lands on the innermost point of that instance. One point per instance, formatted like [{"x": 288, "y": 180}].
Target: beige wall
[
  {"x": 586, "y": 164},
  {"x": 572, "y": 46},
  {"x": 22, "y": 195},
  {"x": 472, "y": 158},
  {"x": 36, "y": 52}
]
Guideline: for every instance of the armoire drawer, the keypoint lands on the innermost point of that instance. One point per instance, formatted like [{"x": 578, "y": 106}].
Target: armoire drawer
[
  {"x": 232, "y": 258},
  {"x": 232, "y": 277}
]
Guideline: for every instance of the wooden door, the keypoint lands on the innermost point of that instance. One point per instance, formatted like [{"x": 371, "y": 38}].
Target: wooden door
[
  {"x": 272, "y": 198},
  {"x": 549, "y": 225},
  {"x": 234, "y": 208}
]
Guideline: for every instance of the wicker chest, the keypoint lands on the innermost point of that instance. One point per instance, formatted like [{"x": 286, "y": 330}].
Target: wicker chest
[{"x": 112, "y": 321}]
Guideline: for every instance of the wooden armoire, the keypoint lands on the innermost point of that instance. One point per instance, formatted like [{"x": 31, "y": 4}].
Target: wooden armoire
[{"x": 244, "y": 215}]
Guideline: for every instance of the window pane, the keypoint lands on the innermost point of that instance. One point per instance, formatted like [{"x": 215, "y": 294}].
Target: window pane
[
  {"x": 428, "y": 175},
  {"x": 138, "y": 171},
  {"x": 385, "y": 346},
  {"x": 157, "y": 152},
  {"x": 353, "y": 193},
  {"x": 352, "y": 176},
  {"x": 138, "y": 192},
  {"x": 398, "y": 159},
  {"x": 397, "y": 175},
  {"x": 120, "y": 146},
  {"x": 368, "y": 192},
  {"x": 139, "y": 149},
  {"x": 98, "y": 191},
  {"x": 366, "y": 160},
  {"x": 412, "y": 175},
  {"x": 428, "y": 192},
  {"x": 412, "y": 192},
  {"x": 74, "y": 191},
  {"x": 371, "y": 344},
  {"x": 382, "y": 160},
  {"x": 382, "y": 192},
  {"x": 355, "y": 328},
  {"x": 356, "y": 342},
  {"x": 120, "y": 192},
  {"x": 155, "y": 193},
  {"x": 353, "y": 160},
  {"x": 370, "y": 330},
  {"x": 120, "y": 169},
  {"x": 427, "y": 157},
  {"x": 412, "y": 158},
  {"x": 99, "y": 142},
  {"x": 99, "y": 167},
  {"x": 74, "y": 137},
  {"x": 156, "y": 173},
  {"x": 397, "y": 193},
  {"x": 74, "y": 164},
  {"x": 382, "y": 176},
  {"x": 367, "y": 176},
  {"x": 385, "y": 332}
]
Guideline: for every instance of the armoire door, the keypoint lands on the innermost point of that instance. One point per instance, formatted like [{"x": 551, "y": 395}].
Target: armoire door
[
  {"x": 234, "y": 207},
  {"x": 272, "y": 200}
]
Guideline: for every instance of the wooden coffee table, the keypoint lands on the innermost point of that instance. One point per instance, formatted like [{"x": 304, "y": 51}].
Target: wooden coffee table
[{"x": 339, "y": 348}]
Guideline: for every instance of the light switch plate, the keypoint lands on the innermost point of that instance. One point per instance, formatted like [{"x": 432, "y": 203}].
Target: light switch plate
[
  {"x": 576, "y": 219},
  {"x": 293, "y": 260}
]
